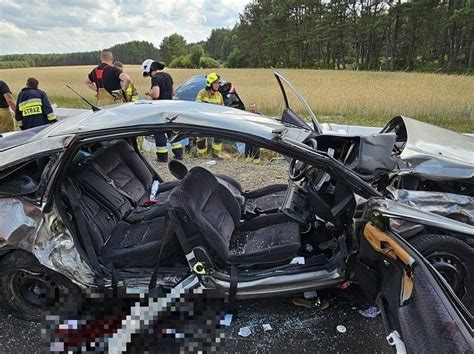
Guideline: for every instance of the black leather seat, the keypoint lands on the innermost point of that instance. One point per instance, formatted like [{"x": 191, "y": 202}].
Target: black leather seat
[{"x": 212, "y": 207}]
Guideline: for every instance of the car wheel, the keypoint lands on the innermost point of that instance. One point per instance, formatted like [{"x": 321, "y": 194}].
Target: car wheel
[
  {"x": 27, "y": 288},
  {"x": 453, "y": 259}
]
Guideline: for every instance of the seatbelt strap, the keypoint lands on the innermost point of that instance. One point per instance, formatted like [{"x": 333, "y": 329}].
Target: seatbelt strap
[
  {"x": 234, "y": 281},
  {"x": 81, "y": 224},
  {"x": 180, "y": 233},
  {"x": 168, "y": 236}
]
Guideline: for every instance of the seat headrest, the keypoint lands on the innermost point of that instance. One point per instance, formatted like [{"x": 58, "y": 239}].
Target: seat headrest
[{"x": 177, "y": 169}]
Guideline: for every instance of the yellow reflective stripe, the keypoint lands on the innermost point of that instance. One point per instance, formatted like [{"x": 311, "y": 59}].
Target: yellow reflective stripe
[
  {"x": 51, "y": 116},
  {"x": 161, "y": 149},
  {"x": 30, "y": 103},
  {"x": 176, "y": 146},
  {"x": 31, "y": 111},
  {"x": 217, "y": 147}
]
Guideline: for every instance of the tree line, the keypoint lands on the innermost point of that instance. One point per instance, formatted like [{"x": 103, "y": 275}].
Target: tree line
[
  {"x": 390, "y": 35},
  {"x": 130, "y": 53},
  {"x": 424, "y": 35}
]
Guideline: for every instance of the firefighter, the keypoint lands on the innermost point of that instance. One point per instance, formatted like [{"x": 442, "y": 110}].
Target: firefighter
[
  {"x": 161, "y": 89},
  {"x": 7, "y": 102},
  {"x": 32, "y": 107},
  {"x": 109, "y": 82},
  {"x": 131, "y": 93},
  {"x": 210, "y": 94}
]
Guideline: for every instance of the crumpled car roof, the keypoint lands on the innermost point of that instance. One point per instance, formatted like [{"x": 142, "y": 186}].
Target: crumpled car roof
[
  {"x": 437, "y": 153},
  {"x": 142, "y": 114}
]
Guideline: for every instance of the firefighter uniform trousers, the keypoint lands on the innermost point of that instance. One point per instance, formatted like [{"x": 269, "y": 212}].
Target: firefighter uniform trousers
[
  {"x": 104, "y": 98},
  {"x": 202, "y": 146},
  {"x": 216, "y": 98},
  {"x": 161, "y": 143}
]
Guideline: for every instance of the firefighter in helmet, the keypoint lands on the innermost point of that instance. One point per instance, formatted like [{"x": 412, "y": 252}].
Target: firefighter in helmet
[
  {"x": 162, "y": 88},
  {"x": 210, "y": 94}
]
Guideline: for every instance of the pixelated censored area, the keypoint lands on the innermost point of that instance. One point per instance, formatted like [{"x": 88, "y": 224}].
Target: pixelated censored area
[{"x": 117, "y": 321}]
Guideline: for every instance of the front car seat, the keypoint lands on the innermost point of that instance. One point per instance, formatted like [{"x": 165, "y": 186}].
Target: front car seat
[{"x": 267, "y": 239}]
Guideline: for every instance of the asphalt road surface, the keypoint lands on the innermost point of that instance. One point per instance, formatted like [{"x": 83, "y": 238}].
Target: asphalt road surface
[{"x": 294, "y": 329}]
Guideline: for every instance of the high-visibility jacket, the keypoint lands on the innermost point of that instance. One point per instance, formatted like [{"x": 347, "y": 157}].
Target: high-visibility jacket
[
  {"x": 33, "y": 109},
  {"x": 131, "y": 94},
  {"x": 206, "y": 96}
]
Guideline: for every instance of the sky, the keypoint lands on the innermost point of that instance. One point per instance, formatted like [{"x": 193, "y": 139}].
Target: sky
[{"x": 54, "y": 26}]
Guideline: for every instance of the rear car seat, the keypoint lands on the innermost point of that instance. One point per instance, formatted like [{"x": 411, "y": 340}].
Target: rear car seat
[
  {"x": 115, "y": 240},
  {"x": 110, "y": 187},
  {"x": 120, "y": 163}
]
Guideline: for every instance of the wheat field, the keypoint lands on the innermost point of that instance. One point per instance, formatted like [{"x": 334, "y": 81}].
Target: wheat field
[{"x": 349, "y": 97}]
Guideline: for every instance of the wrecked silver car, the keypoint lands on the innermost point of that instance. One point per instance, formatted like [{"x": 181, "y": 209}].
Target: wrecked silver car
[{"x": 79, "y": 209}]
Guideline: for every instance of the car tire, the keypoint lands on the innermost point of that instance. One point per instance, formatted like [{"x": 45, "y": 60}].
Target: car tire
[
  {"x": 454, "y": 259},
  {"x": 27, "y": 288}
]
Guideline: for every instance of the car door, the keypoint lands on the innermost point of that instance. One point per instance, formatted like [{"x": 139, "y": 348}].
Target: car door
[
  {"x": 419, "y": 310},
  {"x": 290, "y": 114}
]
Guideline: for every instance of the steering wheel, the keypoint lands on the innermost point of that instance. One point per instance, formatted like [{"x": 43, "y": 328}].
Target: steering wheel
[{"x": 298, "y": 168}]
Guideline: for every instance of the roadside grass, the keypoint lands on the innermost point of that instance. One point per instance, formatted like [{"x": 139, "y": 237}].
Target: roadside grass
[{"x": 345, "y": 97}]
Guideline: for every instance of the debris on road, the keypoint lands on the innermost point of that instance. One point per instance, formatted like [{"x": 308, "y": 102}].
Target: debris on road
[
  {"x": 341, "y": 329},
  {"x": 227, "y": 320},
  {"x": 209, "y": 163},
  {"x": 267, "y": 327},
  {"x": 323, "y": 304},
  {"x": 311, "y": 302},
  {"x": 370, "y": 312},
  {"x": 245, "y": 331},
  {"x": 297, "y": 260},
  {"x": 304, "y": 303}
]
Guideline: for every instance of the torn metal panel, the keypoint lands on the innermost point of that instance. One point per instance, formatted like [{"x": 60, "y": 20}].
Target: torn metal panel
[
  {"x": 21, "y": 221},
  {"x": 55, "y": 249},
  {"x": 438, "y": 168},
  {"x": 453, "y": 206},
  {"x": 432, "y": 152},
  {"x": 397, "y": 210}
]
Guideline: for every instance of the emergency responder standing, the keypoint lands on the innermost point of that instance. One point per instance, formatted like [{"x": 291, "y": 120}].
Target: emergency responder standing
[
  {"x": 32, "y": 107},
  {"x": 131, "y": 93},
  {"x": 210, "y": 94},
  {"x": 109, "y": 82},
  {"x": 7, "y": 123},
  {"x": 161, "y": 89}
]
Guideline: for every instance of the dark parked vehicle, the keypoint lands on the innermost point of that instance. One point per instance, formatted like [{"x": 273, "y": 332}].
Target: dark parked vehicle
[
  {"x": 75, "y": 202},
  {"x": 189, "y": 89}
]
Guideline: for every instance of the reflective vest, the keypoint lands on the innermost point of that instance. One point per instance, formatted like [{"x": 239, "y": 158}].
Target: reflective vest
[
  {"x": 206, "y": 97},
  {"x": 33, "y": 109},
  {"x": 131, "y": 94}
]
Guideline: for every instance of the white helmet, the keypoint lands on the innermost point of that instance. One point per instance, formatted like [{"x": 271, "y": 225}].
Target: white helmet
[{"x": 146, "y": 67}]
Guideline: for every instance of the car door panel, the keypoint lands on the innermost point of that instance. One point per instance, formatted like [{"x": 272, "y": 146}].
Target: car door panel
[{"x": 410, "y": 296}]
